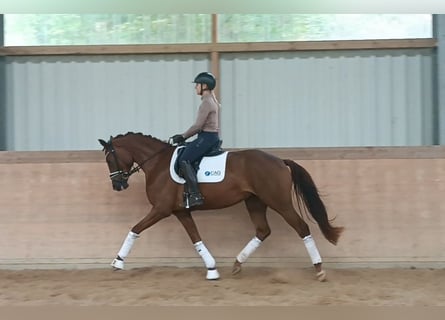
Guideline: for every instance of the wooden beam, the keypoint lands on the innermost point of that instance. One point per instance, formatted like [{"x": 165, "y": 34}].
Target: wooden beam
[
  {"x": 316, "y": 153},
  {"x": 106, "y": 49},
  {"x": 219, "y": 47},
  {"x": 326, "y": 45}
]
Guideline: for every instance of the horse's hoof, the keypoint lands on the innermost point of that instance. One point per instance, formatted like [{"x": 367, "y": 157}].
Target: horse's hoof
[
  {"x": 212, "y": 274},
  {"x": 117, "y": 264},
  {"x": 321, "y": 276},
  {"x": 236, "y": 268}
]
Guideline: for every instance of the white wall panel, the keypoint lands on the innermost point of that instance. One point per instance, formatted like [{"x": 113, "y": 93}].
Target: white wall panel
[
  {"x": 274, "y": 99},
  {"x": 67, "y": 103},
  {"x": 335, "y": 98}
]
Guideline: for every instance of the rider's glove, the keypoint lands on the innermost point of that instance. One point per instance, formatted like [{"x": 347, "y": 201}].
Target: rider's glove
[{"x": 178, "y": 139}]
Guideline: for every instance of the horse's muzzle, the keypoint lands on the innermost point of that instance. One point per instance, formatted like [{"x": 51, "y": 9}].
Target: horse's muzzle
[{"x": 119, "y": 185}]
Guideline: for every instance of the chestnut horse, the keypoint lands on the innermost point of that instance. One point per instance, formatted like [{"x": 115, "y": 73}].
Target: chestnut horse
[{"x": 258, "y": 178}]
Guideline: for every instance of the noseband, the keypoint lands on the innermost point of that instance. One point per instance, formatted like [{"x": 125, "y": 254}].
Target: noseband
[{"x": 119, "y": 175}]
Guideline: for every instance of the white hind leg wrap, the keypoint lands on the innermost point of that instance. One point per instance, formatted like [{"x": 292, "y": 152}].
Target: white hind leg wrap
[
  {"x": 128, "y": 243},
  {"x": 312, "y": 249},
  {"x": 248, "y": 249},
  {"x": 209, "y": 261}
]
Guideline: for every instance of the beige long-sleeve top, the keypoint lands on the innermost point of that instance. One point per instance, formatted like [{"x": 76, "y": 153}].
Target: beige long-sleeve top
[{"x": 207, "y": 118}]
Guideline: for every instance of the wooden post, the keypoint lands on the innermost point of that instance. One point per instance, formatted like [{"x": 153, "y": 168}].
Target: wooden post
[{"x": 214, "y": 63}]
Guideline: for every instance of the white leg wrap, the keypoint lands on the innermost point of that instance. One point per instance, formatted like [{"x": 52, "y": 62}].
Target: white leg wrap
[
  {"x": 209, "y": 261},
  {"x": 117, "y": 264},
  {"x": 248, "y": 249},
  {"x": 128, "y": 243},
  {"x": 312, "y": 249}
]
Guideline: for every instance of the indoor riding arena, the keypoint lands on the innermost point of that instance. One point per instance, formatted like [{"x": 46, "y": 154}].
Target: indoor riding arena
[{"x": 364, "y": 117}]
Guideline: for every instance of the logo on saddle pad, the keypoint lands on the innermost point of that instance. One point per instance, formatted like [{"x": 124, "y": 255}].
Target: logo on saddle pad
[{"x": 211, "y": 169}]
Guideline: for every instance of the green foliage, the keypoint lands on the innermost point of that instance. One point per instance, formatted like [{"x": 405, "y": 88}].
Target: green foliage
[
  {"x": 91, "y": 29},
  {"x": 76, "y": 29},
  {"x": 257, "y": 27}
]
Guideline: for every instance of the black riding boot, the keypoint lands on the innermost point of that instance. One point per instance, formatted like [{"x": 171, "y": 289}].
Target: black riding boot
[{"x": 193, "y": 196}]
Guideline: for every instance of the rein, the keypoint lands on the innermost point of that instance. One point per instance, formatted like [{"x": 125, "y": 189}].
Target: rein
[{"x": 139, "y": 167}]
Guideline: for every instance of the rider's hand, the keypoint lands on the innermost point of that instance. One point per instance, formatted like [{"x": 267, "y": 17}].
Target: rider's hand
[{"x": 178, "y": 139}]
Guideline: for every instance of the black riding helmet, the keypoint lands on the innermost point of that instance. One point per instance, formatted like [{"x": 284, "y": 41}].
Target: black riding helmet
[{"x": 207, "y": 78}]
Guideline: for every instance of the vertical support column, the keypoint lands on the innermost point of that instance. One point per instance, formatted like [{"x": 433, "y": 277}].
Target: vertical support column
[
  {"x": 214, "y": 54},
  {"x": 214, "y": 63},
  {"x": 439, "y": 71},
  {"x": 2, "y": 89}
]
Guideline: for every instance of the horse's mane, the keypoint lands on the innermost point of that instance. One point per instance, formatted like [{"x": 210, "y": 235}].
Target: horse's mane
[{"x": 130, "y": 133}]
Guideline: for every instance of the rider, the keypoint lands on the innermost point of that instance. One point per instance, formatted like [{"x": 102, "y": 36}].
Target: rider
[{"x": 207, "y": 128}]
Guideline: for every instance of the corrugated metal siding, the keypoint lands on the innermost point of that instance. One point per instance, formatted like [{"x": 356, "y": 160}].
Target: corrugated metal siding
[
  {"x": 291, "y": 99},
  {"x": 67, "y": 103},
  {"x": 335, "y": 98}
]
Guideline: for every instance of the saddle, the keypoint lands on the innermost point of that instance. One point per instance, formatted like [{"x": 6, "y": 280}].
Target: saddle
[
  {"x": 215, "y": 150},
  {"x": 210, "y": 168}
]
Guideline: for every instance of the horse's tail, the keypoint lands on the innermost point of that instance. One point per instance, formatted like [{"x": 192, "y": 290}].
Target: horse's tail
[{"x": 306, "y": 189}]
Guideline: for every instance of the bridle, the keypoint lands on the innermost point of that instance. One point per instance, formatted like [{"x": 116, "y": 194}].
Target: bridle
[{"x": 120, "y": 175}]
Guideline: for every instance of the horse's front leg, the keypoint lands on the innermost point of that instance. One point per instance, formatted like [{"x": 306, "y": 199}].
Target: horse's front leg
[
  {"x": 150, "y": 219},
  {"x": 190, "y": 227}
]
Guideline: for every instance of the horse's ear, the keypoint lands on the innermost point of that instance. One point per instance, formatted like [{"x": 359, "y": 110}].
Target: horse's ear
[{"x": 103, "y": 143}]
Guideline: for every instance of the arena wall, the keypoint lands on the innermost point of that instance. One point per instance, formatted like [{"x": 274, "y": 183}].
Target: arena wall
[{"x": 59, "y": 211}]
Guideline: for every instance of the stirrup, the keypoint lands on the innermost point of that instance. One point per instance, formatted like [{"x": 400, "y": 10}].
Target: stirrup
[
  {"x": 193, "y": 200},
  {"x": 196, "y": 201}
]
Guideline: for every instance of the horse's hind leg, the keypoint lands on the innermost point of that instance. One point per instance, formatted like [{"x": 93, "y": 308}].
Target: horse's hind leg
[
  {"x": 257, "y": 211},
  {"x": 299, "y": 225},
  {"x": 190, "y": 227}
]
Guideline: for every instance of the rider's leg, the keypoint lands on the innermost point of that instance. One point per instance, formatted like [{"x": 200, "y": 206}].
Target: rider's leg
[
  {"x": 193, "y": 152},
  {"x": 194, "y": 195}
]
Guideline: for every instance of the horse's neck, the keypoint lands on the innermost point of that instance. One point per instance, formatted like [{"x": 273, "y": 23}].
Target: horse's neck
[{"x": 146, "y": 150}]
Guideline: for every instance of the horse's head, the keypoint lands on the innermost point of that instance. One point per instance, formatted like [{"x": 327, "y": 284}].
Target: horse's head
[{"x": 119, "y": 163}]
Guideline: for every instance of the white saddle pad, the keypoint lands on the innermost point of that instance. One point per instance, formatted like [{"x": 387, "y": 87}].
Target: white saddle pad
[{"x": 211, "y": 169}]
